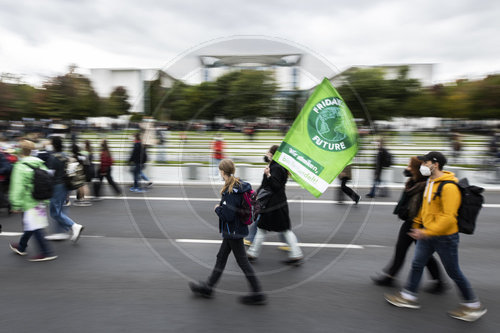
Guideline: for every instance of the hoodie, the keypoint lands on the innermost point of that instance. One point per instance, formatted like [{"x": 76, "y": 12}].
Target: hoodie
[
  {"x": 230, "y": 225},
  {"x": 21, "y": 183},
  {"x": 438, "y": 216}
]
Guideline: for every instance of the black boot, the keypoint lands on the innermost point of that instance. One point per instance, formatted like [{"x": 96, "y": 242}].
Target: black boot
[
  {"x": 201, "y": 289},
  {"x": 383, "y": 280},
  {"x": 254, "y": 299}
]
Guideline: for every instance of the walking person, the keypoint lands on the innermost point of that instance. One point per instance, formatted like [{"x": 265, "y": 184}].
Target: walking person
[
  {"x": 217, "y": 153},
  {"x": 136, "y": 160},
  {"x": 275, "y": 216},
  {"x": 83, "y": 160},
  {"x": 436, "y": 230},
  {"x": 345, "y": 176},
  {"x": 383, "y": 160},
  {"x": 105, "y": 171},
  {"x": 232, "y": 230},
  {"x": 407, "y": 209},
  {"x": 144, "y": 160},
  {"x": 63, "y": 223},
  {"x": 34, "y": 211}
]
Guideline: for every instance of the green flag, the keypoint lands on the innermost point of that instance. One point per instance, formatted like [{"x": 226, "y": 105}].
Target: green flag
[{"x": 321, "y": 142}]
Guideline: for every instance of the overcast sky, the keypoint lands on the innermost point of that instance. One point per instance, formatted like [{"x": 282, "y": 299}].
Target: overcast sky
[{"x": 41, "y": 38}]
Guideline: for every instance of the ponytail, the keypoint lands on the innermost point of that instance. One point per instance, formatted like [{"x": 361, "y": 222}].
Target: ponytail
[{"x": 227, "y": 166}]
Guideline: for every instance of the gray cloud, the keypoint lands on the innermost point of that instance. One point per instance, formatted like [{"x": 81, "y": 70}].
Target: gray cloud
[{"x": 459, "y": 33}]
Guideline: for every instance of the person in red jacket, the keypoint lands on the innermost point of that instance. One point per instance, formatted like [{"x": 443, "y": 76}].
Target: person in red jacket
[
  {"x": 217, "y": 153},
  {"x": 105, "y": 170}
]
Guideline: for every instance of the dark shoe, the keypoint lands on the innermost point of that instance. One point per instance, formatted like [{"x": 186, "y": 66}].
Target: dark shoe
[
  {"x": 437, "y": 288},
  {"x": 356, "y": 199},
  {"x": 254, "y": 299},
  {"x": 294, "y": 261},
  {"x": 201, "y": 289},
  {"x": 383, "y": 280},
  {"x": 370, "y": 196}
]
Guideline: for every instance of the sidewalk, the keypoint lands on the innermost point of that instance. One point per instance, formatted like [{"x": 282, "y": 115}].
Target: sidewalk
[{"x": 199, "y": 174}]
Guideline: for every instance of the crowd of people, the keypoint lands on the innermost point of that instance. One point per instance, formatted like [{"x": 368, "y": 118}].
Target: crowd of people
[{"x": 429, "y": 220}]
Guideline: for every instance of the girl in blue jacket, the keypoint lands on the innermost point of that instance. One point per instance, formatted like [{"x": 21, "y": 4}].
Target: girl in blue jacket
[{"x": 233, "y": 231}]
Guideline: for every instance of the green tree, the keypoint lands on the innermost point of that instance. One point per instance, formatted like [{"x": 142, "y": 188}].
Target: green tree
[
  {"x": 117, "y": 104},
  {"x": 251, "y": 95},
  {"x": 69, "y": 96}
]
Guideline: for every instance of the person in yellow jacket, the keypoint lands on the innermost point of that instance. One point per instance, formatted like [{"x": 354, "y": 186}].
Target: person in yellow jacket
[{"x": 436, "y": 230}]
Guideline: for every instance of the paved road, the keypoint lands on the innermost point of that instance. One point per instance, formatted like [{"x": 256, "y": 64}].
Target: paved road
[{"x": 130, "y": 271}]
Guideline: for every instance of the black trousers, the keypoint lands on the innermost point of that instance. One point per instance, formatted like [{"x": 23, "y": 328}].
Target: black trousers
[
  {"x": 347, "y": 190},
  {"x": 97, "y": 185},
  {"x": 235, "y": 245},
  {"x": 402, "y": 245}
]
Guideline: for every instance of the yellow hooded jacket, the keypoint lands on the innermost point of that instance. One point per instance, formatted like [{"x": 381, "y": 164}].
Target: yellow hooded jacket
[{"x": 438, "y": 217}]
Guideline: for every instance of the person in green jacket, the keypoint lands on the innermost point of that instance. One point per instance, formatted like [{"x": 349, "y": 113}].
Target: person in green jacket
[{"x": 34, "y": 211}]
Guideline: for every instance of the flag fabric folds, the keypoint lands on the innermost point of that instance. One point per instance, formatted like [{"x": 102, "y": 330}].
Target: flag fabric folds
[{"x": 321, "y": 142}]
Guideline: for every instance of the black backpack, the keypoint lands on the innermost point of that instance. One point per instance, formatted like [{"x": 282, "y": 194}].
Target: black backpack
[
  {"x": 472, "y": 202},
  {"x": 43, "y": 183}
]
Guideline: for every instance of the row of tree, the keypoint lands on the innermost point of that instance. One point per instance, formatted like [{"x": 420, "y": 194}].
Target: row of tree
[
  {"x": 243, "y": 94},
  {"x": 70, "y": 96},
  {"x": 249, "y": 94},
  {"x": 366, "y": 91}
]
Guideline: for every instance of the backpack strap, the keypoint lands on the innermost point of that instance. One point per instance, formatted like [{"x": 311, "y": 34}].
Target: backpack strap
[
  {"x": 440, "y": 187},
  {"x": 32, "y": 167}
]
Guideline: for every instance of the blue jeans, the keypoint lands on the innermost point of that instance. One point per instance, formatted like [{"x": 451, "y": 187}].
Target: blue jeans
[
  {"x": 137, "y": 174},
  {"x": 143, "y": 176},
  {"x": 447, "y": 249},
  {"x": 57, "y": 211},
  {"x": 40, "y": 238}
]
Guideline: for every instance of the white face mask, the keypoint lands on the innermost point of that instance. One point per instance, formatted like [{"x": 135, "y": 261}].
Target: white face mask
[{"x": 425, "y": 170}]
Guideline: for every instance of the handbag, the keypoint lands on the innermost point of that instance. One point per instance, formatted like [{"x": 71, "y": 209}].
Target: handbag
[{"x": 261, "y": 200}]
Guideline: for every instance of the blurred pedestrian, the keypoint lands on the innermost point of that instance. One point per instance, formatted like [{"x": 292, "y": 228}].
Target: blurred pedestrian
[
  {"x": 34, "y": 211},
  {"x": 144, "y": 160},
  {"x": 105, "y": 171},
  {"x": 456, "y": 146},
  {"x": 5, "y": 173},
  {"x": 136, "y": 161},
  {"x": 63, "y": 223},
  {"x": 383, "y": 159},
  {"x": 274, "y": 215},
  {"x": 407, "y": 209},
  {"x": 217, "y": 153},
  {"x": 232, "y": 230},
  {"x": 345, "y": 176},
  {"x": 436, "y": 230},
  {"x": 83, "y": 160}
]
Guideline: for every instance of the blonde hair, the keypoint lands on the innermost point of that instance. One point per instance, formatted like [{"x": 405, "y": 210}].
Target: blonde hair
[
  {"x": 26, "y": 147},
  {"x": 227, "y": 166}
]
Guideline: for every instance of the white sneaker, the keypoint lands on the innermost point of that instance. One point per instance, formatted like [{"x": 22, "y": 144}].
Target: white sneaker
[
  {"x": 57, "y": 237},
  {"x": 77, "y": 230}
]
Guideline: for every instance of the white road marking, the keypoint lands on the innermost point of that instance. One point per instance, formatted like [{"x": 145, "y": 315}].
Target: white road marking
[
  {"x": 317, "y": 245},
  {"x": 308, "y": 201},
  {"x": 216, "y": 241}
]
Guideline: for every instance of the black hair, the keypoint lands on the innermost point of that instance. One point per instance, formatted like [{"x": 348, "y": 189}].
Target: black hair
[{"x": 57, "y": 144}]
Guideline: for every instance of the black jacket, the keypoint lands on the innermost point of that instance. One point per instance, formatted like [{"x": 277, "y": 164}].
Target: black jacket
[
  {"x": 57, "y": 162},
  {"x": 275, "y": 217},
  {"x": 230, "y": 225},
  {"x": 138, "y": 155}
]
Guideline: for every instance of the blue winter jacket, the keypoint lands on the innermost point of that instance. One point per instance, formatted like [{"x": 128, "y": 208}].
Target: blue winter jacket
[{"x": 230, "y": 225}]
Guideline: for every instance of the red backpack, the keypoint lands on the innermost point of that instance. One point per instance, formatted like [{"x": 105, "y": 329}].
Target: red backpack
[{"x": 246, "y": 211}]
